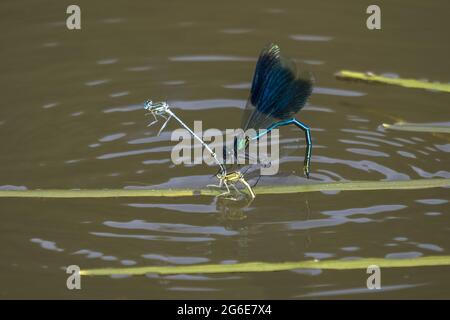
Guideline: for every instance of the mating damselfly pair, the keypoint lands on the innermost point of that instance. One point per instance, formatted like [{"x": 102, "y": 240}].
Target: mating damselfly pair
[{"x": 277, "y": 94}]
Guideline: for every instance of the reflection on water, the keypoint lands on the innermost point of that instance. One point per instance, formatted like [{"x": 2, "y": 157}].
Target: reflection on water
[
  {"x": 214, "y": 58},
  {"x": 304, "y": 37},
  {"x": 72, "y": 117},
  {"x": 356, "y": 291},
  {"x": 48, "y": 245}
]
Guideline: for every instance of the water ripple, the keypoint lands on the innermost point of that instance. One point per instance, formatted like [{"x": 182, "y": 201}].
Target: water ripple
[
  {"x": 365, "y": 165},
  {"x": 367, "y": 152},
  {"x": 50, "y": 105},
  {"x": 310, "y": 37},
  {"x": 391, "y": 143},
  {"x": 358, "y": 142},
  {"x": 164, "y": 136},
  {"x": 175, "y": 260},
  {"x": 133, "y": 153},
  {"x": 193, "y": 289},
  {"x": 107, "y": 61},
  {"x": 185, "y": 207},
  {"x": 90, "y": 254},
  {"x": 119, "y": 94},
  {"x": 112, "y": 137},
  {"x": 139, "y": 68},
  {"x": 236, "y": 30},
  {"x": 96, "y": 82},
  {"x": 133, "y": 107},
  {"x": 338, "y": 92},
  {"x": 321, "y": 223},
  {"x": 14, "y": 188},
  {"x": 45, "y": 244},
  {"x": 431, "y": 201},
  {"x": 426, "y": 174},
  {"x": 367, "y": 210},
  {"x": 404, "y": 255},
  {"x": 153, "y": 237},
  {"x": 406, "y": 154},
  {"x": 373, "y": 133},
  {"x": 170, "y": 227},
  {"x": 209, "y": 58},
  {"x": 443, "y": 147},
  {"x": 430, "y": 246},
  {"x": 357, "y": 291}
]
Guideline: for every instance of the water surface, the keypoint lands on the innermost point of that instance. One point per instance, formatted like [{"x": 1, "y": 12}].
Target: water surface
[{"x": 71, "y": 117}]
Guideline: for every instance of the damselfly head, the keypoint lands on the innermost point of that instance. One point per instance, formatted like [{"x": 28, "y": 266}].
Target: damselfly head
[{"x": 148, "y": 105}]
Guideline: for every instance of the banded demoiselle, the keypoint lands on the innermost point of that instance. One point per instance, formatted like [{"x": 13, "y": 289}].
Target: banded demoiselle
[{"x": 277, "y": 94}]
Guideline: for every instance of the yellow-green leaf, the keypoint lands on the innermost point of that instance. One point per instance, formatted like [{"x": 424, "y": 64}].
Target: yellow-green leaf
[
  {"x": 417, "y": 127},
  {"x": 278, "y": 189},
  {"x": 407, "y": 83},
  {"x": 274, "y": 266}
]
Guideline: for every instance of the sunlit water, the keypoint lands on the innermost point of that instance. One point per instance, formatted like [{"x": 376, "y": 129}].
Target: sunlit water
[{"x": 72, "y": 116}]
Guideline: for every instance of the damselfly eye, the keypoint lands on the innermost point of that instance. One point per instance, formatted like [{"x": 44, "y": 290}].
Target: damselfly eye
[{"x": 148, "y": 104}]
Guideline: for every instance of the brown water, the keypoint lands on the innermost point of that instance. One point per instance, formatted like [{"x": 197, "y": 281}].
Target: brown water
[{"x": 71, "y": 117}]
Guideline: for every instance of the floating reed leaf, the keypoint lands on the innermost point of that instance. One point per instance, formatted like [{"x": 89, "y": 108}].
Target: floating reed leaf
[
  {"x": 279, "y": 189},
  {"x": 277, "y": 266},
  {"x": 417, "y": 127},
  {"x": 407, "y": 83}
]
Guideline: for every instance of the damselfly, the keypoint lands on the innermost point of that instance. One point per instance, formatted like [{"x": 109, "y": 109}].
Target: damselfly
[
  {"x": 162, "y": 109},
  {"x": 277, "y": 94},
  {"x": 231, "y": 179}
]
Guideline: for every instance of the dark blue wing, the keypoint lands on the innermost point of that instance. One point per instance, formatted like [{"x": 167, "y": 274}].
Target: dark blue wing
[{"x": 277, "y": 93}]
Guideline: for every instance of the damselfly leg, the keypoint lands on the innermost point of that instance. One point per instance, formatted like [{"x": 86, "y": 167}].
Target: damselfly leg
[
  {"x": 306, "y": 129},
  {"x": 165, "y": 124},
  {"x": 154, "y": 117}
]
